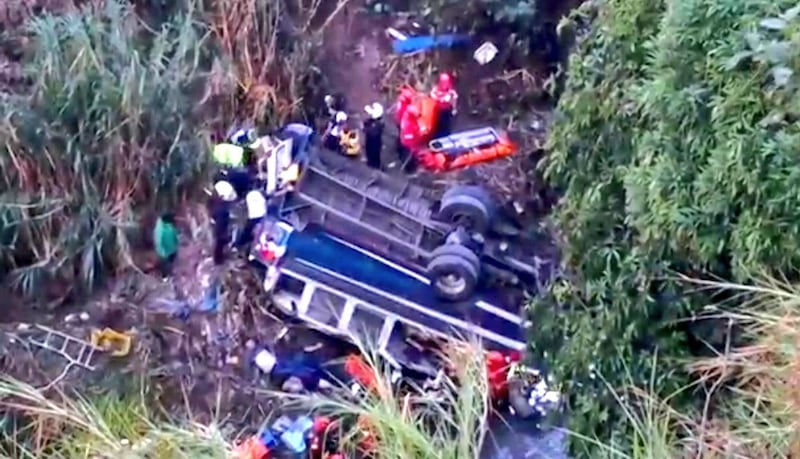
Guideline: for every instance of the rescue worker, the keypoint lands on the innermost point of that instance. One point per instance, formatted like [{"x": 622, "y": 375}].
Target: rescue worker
[
  {"x": 165, "y": 239},
  {"x": 410, "y": 137},
  {"x": 256, "y": 211},
  {"x": 230, "y": 155},
  {"x": 404, "y": 100},
  {"x": 350, "y": 143},
  {"x": 333, "y": 134},
  {"x": 334, "y": 103},
  {"x": 446, "y": 99},
  {"x": 302, "y": 136},
  {"x": 220, "y": 204},
  {"x": 373, "y": 135}
]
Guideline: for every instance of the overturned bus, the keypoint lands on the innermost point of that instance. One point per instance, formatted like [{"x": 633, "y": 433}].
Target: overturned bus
[{"x": 359, "y": 254}]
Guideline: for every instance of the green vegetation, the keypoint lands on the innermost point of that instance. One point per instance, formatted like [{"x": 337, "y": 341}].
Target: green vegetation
[
  {"x": 108, "y": 123},
  {"x": 415, "y": 425},
  {"x": 112, "y": 125},
  {"x": 676, "y": 152},
  {"x": 67, "y": 426}
]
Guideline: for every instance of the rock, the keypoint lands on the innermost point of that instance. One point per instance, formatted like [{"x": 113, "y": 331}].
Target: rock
[
  {"x": 84, "y": 316},
  {"x": 232, "y": 360},
  {"x": 23, "y": 327},
  {"x": 250, "y": 344},
  {"x": 293, "y": 385},
  {"x": 71, "y": 318}
]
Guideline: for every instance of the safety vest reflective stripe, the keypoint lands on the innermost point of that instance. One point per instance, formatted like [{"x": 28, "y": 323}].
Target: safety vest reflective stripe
[{"x": 228, "y": 154}]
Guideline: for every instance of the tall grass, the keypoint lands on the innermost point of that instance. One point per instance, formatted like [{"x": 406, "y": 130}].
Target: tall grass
[
  {"x": 753, "y": 391},
  {"x": 113, "y": 425},
  {"x": 415, "y": 424},
  {"x": 109, "y": 123},
  {"x": 269, "y": 49}
]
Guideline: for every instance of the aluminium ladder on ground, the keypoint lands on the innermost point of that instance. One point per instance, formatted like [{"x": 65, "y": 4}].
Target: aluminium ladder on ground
[
  {"x": 391, "y": 309},
  {"x": 75, "y": 351}
]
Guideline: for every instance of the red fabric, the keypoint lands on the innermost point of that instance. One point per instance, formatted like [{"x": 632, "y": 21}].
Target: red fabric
[
  {"x": 445, "y": 82},
  {"x": 252, "y": 448},
  {"x": 356, "y": 367},
  {"x": 404, "y": 100},
  {"x": 400, "y": 110},
  {"x": 497, "y": 370},
  {"x": 410, "y": 134},
  {"x": 321, "y": 424},
  {"x": 445, "y": 98}
]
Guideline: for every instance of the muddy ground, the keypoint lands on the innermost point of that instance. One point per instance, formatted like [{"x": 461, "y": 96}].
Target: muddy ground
[{"x": 203, "y": 359}]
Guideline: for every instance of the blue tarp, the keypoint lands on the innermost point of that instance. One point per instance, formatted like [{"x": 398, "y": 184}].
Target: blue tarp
[{"x": 428, "y": 42}]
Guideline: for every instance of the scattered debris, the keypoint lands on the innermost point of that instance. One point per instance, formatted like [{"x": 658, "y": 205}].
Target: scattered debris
[
  {"x": 485, "y": 53},
  {"x": 109, "y": 340}
]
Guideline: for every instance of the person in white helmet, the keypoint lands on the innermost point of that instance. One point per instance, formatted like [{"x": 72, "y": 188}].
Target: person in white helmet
[
  {"x": 373, "y": 134},
  {"x": 333, "y": 135},
  {"x": 220, "y": 204},
  {"x": 256, "y": 211}
]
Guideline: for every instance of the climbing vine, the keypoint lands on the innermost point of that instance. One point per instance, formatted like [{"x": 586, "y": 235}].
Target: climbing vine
[{"x": 676, "y": 150}]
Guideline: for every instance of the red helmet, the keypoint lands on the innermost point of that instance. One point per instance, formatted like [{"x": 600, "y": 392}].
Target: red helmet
[
  {"x": 445, "y": 82},
  {"x": 406, "y": 94}
]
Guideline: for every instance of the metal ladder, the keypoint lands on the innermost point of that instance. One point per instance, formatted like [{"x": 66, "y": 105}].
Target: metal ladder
[
  {"x": 55, "y": 341},
  {"x": 466, "y": 140}
]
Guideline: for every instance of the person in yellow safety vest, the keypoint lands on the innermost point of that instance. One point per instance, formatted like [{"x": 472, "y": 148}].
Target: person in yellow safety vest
[
  {"x": 351, "y": 143},
  {"x": 230, "y": 155}
]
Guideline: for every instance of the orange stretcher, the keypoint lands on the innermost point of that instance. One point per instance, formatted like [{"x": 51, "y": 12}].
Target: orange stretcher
[
  {"x": 465, "y": 148},
  {"x": 460, "y": 149}
]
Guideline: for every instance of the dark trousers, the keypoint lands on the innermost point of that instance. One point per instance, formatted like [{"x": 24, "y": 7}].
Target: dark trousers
[
  {"x": 444, "y": 124},
  {"x": 332, "y": 143},
  {"x": 407, "y": 159},
  {"x": 221, "y": 240},
  {"x": 373, "y": 149},
  {"x": 246, "y": 236},
  {"x": 165, "y": 265}
]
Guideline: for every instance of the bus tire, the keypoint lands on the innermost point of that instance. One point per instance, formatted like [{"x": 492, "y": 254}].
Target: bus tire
[
  {"x": 469, "y": 206},
  {"x": 453, "y": 277}
]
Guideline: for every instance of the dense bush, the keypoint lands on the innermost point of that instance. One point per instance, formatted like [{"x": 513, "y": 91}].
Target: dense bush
[
  {"x": 109, "y": 123},
  {"x": 676, "y": 151}
]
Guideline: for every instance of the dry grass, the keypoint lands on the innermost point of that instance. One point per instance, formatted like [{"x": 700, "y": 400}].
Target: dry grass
[
  {"x": 415, "y": 424},
  {"x": 753, "y": 391},
  {"x": 59, "y": 426},
  {"x": 110, "y": 123},
  {"x": 270, "y": 50}
]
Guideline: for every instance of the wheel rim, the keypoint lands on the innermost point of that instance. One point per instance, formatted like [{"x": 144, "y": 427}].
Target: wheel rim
[{"x": 452, "y": 284}]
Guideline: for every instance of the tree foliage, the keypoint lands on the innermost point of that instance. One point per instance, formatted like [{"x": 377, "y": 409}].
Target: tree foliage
[{"x": 676, "y": 149}]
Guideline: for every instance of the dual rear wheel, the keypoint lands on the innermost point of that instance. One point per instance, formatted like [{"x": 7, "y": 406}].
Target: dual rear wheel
[{"x": 454, "y": 268}]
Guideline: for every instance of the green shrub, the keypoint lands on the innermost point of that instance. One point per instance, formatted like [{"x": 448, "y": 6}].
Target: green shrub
[
  {"x": 109, "y": 124},
  {"x": 676, "y": 151}
]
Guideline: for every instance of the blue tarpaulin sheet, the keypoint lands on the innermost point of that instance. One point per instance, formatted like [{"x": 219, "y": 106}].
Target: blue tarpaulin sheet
[{"x": 428, "y": 42}]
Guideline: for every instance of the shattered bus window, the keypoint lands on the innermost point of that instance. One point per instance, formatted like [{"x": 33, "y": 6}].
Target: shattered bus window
[
  {"x": 326, "y": 307},
  {"x": 412, "y": 347},
  {"x": 366, "y": 325}
]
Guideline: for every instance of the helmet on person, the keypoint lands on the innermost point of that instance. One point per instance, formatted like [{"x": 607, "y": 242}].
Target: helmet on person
[
  {"x": 340, "y": 117},
  {"x": 445, "y": 82},
  {"x": 375, "y": 111},
  {"x": 406, "y": 94},
  {"x": 225, "y": 191}
]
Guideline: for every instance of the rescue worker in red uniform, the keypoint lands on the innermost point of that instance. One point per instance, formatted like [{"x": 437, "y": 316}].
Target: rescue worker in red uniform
[
  {"x": 446, "y": 99},
  {"x": 404, "y": 100},
  {"x": 497, "y": 368},
  {"x": 410, "y": 138}
]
